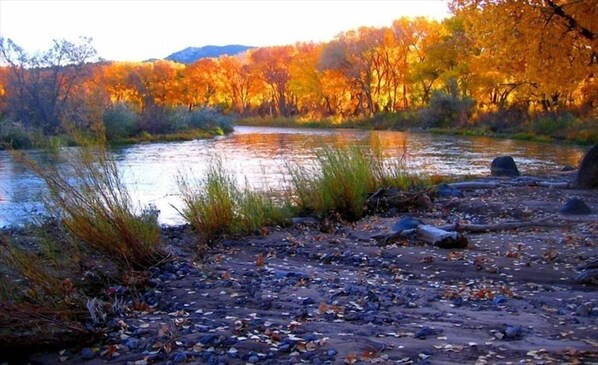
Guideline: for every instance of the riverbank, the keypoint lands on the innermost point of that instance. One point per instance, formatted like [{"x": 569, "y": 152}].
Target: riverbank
[
  {"x": 549, "y": 130},
  {"x": 336, "y": 293}
]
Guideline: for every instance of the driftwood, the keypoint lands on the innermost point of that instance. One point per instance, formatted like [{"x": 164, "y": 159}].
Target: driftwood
[
  {"x": 480, "y": 228},
  {"x": 439, "y": 237},
  {"x": 471, "y": 185},
  {"x": 429, "y": 234},
  {"x": 449, "y": 236},
  {"x": 389, "y": 198},
  {"x": 555, "y": 185}
]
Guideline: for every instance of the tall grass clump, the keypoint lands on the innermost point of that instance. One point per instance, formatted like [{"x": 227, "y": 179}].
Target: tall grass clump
[
  {"x": 341, "y": 179},
  {"x": 217, "y": 204},
  {"x": 86, "y": 193}
]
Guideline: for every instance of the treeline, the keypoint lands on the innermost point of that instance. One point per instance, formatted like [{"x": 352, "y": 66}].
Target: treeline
[{"x": 502, "y": 66}]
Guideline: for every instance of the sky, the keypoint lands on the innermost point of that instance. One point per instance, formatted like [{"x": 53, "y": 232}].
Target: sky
[{"x": 136, "y": 30}]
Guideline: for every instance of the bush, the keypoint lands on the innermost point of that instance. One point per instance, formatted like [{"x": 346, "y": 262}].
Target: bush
[
  {"x": 120, "y": 121},
  {"x": 504, "y": 120},
  {"x": 447, "y": 109},
  {"x": 15, "y": 136},
  {"x": 209, "y": 119}
]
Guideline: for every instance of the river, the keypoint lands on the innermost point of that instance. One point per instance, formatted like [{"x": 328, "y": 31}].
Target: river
[{"x": 259, "y": 156}]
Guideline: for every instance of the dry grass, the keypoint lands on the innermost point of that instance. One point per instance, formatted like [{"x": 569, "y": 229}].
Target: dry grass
[{"x": 87, "y": 195}]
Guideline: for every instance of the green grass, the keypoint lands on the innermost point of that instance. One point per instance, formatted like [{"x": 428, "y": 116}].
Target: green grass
[
  {"x": 186, "y": 135},
  {"x": 289, "y": 122},
  {"x": 342, "y": 177},
  {"x": 218, "y": 204}
]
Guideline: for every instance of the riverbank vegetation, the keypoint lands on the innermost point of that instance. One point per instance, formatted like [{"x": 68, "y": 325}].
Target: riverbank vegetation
[
  {"x": 524, "y": 69},
  {"x": 62, "y": 283}
]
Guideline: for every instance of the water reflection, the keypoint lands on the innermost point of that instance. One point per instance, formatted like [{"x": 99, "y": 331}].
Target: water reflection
[{"x": 259, "y": 156}]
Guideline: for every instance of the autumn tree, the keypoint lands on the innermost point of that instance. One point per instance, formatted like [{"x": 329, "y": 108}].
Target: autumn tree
[
  {"x": 539, "y": 51},
  {"x": 354, "y": 54},
  {"x": 272, "y": 67},
  {"x": 39, "y": 87},
  {"x": 200, "y": 83}
]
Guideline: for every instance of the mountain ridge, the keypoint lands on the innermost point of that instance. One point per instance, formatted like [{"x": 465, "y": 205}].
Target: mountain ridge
[{"x": 192, "y": 54}]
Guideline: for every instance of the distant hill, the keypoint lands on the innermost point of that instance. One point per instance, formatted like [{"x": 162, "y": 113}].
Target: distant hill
[{"x": 192, "y": 54}]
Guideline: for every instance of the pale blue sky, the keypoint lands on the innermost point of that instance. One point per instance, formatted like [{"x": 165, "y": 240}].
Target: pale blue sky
[{"x": 136, "y": 30}]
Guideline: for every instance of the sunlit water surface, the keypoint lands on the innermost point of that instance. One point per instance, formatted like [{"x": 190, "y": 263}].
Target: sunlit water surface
[{"x": 260, "y": 156}]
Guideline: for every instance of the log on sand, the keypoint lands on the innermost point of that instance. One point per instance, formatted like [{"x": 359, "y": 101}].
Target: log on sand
[
  {"x": 449, "y": 236},
  {"x": 439, "y": 237},
  {"x": 505, "y": 226}
]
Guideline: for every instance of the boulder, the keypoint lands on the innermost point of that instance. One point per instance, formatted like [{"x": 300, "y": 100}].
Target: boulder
[
  {"x": 504, "y": 166},
  {"x": 575, "y": 206},
  {"x": 587, "y": 176},
  {"x": 405, "y": 223}
]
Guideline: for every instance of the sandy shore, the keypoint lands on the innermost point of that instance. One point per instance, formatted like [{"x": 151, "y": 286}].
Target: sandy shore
[{"x": 301, "y": 295}]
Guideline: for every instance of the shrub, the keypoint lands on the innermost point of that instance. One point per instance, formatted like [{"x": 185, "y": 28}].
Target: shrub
[
  {"x": 504, "y": 120},
  {"x": 120, "y": 121},
  {"x": 447, "y": 109},
  {"x": 209, "y": 119},
  {"x": 16, "y": 136}
]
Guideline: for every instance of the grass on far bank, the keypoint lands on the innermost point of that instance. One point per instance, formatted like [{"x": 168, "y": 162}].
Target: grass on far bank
[{"x": 541, "y": 127}]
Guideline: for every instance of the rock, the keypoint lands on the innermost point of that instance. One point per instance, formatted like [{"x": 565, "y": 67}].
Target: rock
[
  {"x": 504, "y": 166},
  {"x": 179, "y": 357},
  {"x": 583, "y": 310},
  {"x": 406, "y": 222},
  {"x": 446, "y": 191},
  {"x": 589, "y": 276},
  {"x": 575, "y": 206},
  {"x": 132, "y": 344},
  {"x": 587, "y": 176},
  {"x": 513, "y": 332},
  {"x": 425, "y": 332},
  {"x": 499, "y": 299},
  {"x": 87, "y": 353},
  {"x": 568, "y": 168}
]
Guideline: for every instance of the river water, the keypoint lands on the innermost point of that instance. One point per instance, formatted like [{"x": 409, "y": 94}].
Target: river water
[{"x": 259, "y": 156}]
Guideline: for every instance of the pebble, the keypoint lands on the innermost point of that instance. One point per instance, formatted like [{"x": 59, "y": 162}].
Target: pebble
[
  {"x": 179, "y": 357},
  {"x": 582, "y": 310},
  {"x": 513, "y": 332},
  {"x": 132, "y": 344},
  {"x": 87, "y": 353},
  {"x": 499, "y": 300}
]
